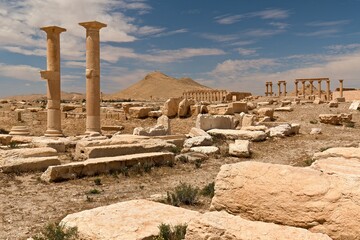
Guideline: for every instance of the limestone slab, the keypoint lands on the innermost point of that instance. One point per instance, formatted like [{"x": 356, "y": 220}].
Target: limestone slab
[
  {"x": 205, "y": 149},
  {"x": 241, "y": 148},
  {"x": 30, "y": 164},
  {"x": 207, "y": 122},
  {"x": 136, "y": 219},
  {"x": 198, "y": 141},
  {"x": 97, "y": 166},
  {"x": 224, "y": 226},
  {"x": 255, "y": 136}
]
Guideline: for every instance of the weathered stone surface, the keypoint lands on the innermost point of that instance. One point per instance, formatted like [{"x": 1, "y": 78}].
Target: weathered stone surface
[
  {"x": 171, "y": 106},
  {"x": 285, "y": 103},
  {"x": 241, "y": 148},
  {"x": 139, "y": 112},
  {"x": 266, "y": 112},
  {"x": 284, "y": 130},
  {"x": 27, "y": 153},
  {"x": 112, "y": 128},
  {"x": 196, "y": 132},
  {"x": 247, "y": 120},
  {"x": 205, "y": 150},
  {"x": 157, "y": 130},
  {"x": 155, "y": 114},
  {"x": 284, "y": 109},
  {"x": 251, "y": 105},
  {"x": 333, "y": 104},
  {"x": 191, "y": 157},
  {"x": 97, "y": 166},
  {"x": 198, "y": 141},
  {"x": 335, "y": 119},
  {"x": 154, "y": 145},
  {"x": 207, "y": 122},
  {"x": 345, "y": 152},
  {"x": 136, "y": 219},
  {"x": 184, "y": 108},
  {"x": 355, "y": 105},
  {"x": 263, "y": 103},
  {"x": 220, "y": 109},
  {"x": 338, "y": 165},
  {"x": 239, "y": 107},
  {"x": 318, "y": 101},
  {"x": 20, "y": 131},
  {"x": 238, "y": 134},
  {"x": 5, "y": 139},
  {"x": 294, "y": 196},
  {"x": 315, "y": 131},
  {"x": 254, "y": 128},
  {"x": 57, "y": 144},
  {"x": 224, "y": 226},
  {"x": 164, "y": 121}
]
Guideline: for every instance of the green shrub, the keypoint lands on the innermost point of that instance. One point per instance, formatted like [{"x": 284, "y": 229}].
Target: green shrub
[
  {"x": 97, "y": 181},
  {"x": 57, "y": 232},
  {"x": 167, "y": 232},
  {"x": 124, "y": 171},
  {"x": 93, "y": 191},
  {"x": 183, "y": 193},
  {"x": 198, "y": 163},
  {"x": 14, "y": 144},
  {"x": 208, "y": 190}
]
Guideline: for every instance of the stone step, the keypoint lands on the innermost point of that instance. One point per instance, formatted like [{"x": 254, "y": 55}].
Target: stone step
[
  {"x": 102, "y": 165},
  {"x": 255, "y": 136},
  {"x": 16, "y": 165}
]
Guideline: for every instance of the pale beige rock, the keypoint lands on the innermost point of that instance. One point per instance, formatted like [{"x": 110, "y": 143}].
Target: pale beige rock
[
  {"x": 223, "y": 226},
  {"x": 57, "y": 144},
  {"x": 294, "y": 196},
  {"x": 27, "y": 153},
  {"x": 165, "y": 121},
  {"x": 155, "y": 114},
  {"x": 139, "y": 112},
  {"x": 157, "y": 130},
  {"x": 284, "y": 109},
  {"x": 338, "y": 165},
  {"x": 171, "y": 107},
  {"x": 333, "y": 104},
  {"x": 136, "y": 219},
  {"x": 5, "y": 139},
  {"x": 198, "y": 141},
  {"x": 205, "y": 149},
  {"x": 315, "y": 131},
  {"x": 335, "y": 119},
  {"x": 241, "y": 148},
  {"x": 266, "y": 112},
  {"x": 19, "y": 131},
  {"x": 97, "y": 166},
  {"x": 344, "y": 152},
  {"x": 184, "y": 108},
  {"x": 255, "y": 136},
  {"x": 207, "y": 122},
  {"x": 355, "y": 105},
  {"x": 196, "y": 132},
  {"x": 220, "y": 109},
  {"x": 239, "y": 107},
  {"x": 247, "y": 120},
  {"x": 254, "y": 128},
  {"x": 318, "y": 101},
  {"x": 251, "y": 105}
]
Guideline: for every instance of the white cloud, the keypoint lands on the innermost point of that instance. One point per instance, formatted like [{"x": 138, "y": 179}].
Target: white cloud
[
  {"x": 21, "y": 72},
  {"x": 220, "y": 37},
  {"x": 328, "y": 23},
  {"x": 263, "y": 32},
  {"x": 169, "y": 33},
  {"x": 114, "y": 54},
  {"x": 320, "y": 33},
  {"x": 279, "y": 25},
  {"x": 148, "y": 30},
  {"x": 246, "y": 52}
]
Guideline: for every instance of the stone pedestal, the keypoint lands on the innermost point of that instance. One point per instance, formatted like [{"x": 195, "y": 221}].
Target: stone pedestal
[
  {"x": 19, "y": 131},
  {"x": 92, "y": 75},
  {"x": 52, "y": 75}
]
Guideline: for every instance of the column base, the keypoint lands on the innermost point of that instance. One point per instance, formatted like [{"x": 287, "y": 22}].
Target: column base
[
  {"x": 53, "y": 133},
  {"x": 93, "y": 133}
]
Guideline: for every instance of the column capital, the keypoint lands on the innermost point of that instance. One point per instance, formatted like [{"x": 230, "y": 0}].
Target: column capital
[
  {"x": 341, "y": 80},
  {"x": 93, "y": 25},
  {"x": 53, "y": 29}
]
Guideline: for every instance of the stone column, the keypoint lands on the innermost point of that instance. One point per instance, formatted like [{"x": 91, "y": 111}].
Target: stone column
[
  {"x": 311, "y": 88},
  {"x": 296, "y": 88},
  {"x": 319, "y": 88},
  {"x": 303, "y": 88},
  {"x": 52, "y": 75},
  {"x": 92, "y": 75},
  {"x": 341, "y": 88},
  {"x": 279, "y": 89},
  {"x": 328, "y": 90},
  {"x": 267, "y": 89},
  {"x": 285, "y": 89},
  {"x": 271, "y": 90}
]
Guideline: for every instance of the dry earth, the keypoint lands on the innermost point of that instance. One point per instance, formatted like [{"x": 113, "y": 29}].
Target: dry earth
[{"x": 27, "y": 204}]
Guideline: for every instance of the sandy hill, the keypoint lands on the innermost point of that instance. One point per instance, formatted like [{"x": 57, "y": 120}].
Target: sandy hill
[
  {"x": 158, "y": 86},
  {"x": 64, "y": 96}
]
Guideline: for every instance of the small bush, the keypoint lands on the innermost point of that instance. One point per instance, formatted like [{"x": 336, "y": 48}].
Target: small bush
[
  {"x": 183, "y": 159},
  {"x": 137, "y": 169},
  {"x": 147, "y": 167},
  {"x": 124, "y": 171},
  {"x": 349, "y": 124},
  {"x": 57, "y": 232},
  {"x": 183, "y": 193},
  {"x": 170, "y": 163},
  {"x": 198, "y": 163},
  {"x": 97, "y": 181},
  {"x": 167, "y": 232},
  {"x": 208, "y": 190},
  {"x": 93, "y": 191},
  {"x": 14, "y": 144},
  {"x": 175, "y": 150}
]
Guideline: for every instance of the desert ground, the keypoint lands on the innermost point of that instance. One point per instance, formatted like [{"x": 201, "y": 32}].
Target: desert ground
[{"x": 28, "y": 203}]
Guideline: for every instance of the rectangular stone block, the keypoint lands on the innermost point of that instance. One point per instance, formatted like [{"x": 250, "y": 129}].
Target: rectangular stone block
[{"x": 207, "y": 122}]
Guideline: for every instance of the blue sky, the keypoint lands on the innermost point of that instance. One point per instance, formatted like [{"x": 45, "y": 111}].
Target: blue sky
[{"x": 232, "y": 44}]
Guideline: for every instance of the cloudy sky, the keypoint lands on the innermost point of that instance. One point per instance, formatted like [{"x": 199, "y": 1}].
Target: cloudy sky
[{"x": 231, "y": 44}]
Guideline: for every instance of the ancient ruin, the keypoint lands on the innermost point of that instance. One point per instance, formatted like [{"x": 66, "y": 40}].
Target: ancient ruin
[
  {"x": 52, "y": 75},
  {"x": 206, "y": 95},
  {"x": 93, "y": 75},
  {"x": 311, "y": 81}
]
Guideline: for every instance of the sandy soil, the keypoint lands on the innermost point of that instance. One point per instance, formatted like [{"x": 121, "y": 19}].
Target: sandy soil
[{"x": 27, "y": 204}]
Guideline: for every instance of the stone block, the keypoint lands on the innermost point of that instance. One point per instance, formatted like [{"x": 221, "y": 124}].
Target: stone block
[
  {"x": 355, "y": 105},
  {"x": 255, "y": 136},
  {"x": 196, "y": 132},
  {"x": 139, "y": 112},
  {"x": 205, "y": 149},
  {"x": 241, "y": 148},
  {"x": 239, "y": 107},
  {"x": 171, "y": 107},
  {"x": 220, "y": 109},
  {"x": 184, "y": 108},
  {"x": 293, "y": 196},
  {"x": 266, "y": 112},
  {"x": 5, "y": 139},
  {"x": 198, "y": 141},
  {"x": 335, "y": 119},
  {"x": 207, "y": 122}
]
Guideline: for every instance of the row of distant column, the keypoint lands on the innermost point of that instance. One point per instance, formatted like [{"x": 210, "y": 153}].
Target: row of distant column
[
  {"x": 269, "y": 87},
  {"x": 52, "y": 75},
  {"x": 207, "y": 95}
]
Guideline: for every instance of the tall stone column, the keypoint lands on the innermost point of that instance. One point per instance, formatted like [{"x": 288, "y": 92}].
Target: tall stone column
[
  {"x": 296, "y": 88},
  {"x": 267, "y": 89},
  {"x": 92, "y": 75},
  {"x": 52, "y": 75},
  {"x": 341, "y": 88},
  {"x": 279, "y": 89},
  {"x": 319, "y": 88},
  {"x": 311, "y": 88},
  {"x": 271, "y": 90},
  {"x": 328, "y": 90},
  {"x": 303, "y": 88},
  {"x": 285, "y": 89}
]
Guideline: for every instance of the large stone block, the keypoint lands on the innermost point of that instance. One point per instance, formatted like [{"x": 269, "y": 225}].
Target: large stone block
[
  {"x": 97, "y": 166},
  {"x": 139, "y": 112},
  {"x": 198, "y": 141},
  {"x": 5, "y": 139},
  {"x": 255, "y": 136},
  {"x": 335, "y": 119},
  {"x": 136, "y": 219},
  {"x": 184, "y": 108},
  {"x": 223, "y": 226},
  {"x": 239, "y": 107},
  {"x": 241, "y": 148},
  {"x": 294, "y": 196},
  {"x": 220, "y": 109},
  {"x": 207, "y": 122},
  {"x": 171, "y": 107},
  {"x": 266, "y": 112}
]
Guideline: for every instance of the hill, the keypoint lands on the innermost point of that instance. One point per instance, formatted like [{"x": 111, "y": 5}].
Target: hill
[
  {"x": 157, "y": 86},
  {"x": 32, "y": 97}
]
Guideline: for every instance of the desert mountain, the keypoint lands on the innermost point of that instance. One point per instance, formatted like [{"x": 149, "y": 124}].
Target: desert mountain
[
  {"x": 64, "y": 96},
  {"x": 158, "y": 86}
]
